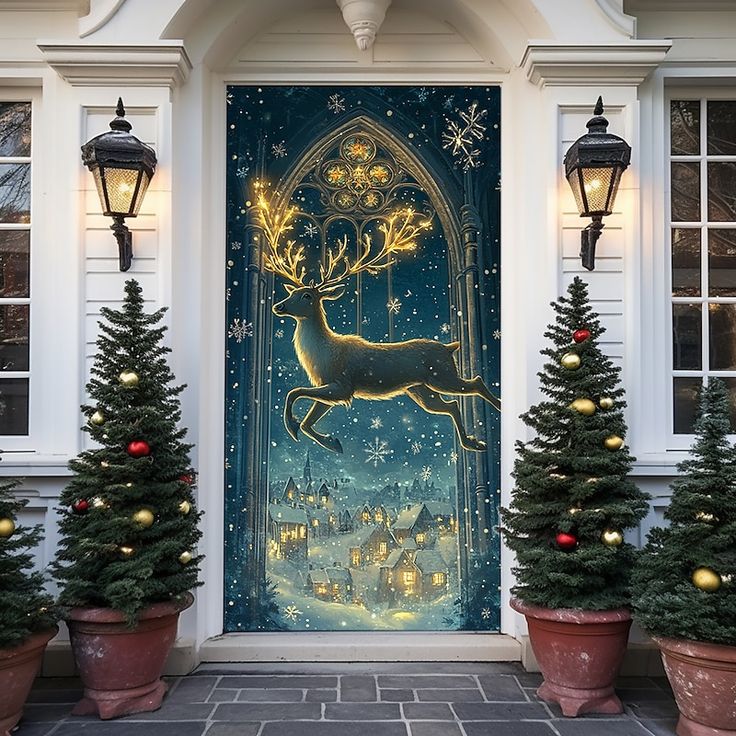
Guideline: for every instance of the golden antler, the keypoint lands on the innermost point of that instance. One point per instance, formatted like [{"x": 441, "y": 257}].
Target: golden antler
[
  {"x": 284, "y": 262},
  {"x": 396, "y": 238}
]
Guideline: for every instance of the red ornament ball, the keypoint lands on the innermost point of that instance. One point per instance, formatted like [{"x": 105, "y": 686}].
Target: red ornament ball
[
  {"x": 581, "y": 335},
  {"x": 187, "y": 478},
  {"x": 139, "y": 448},
  {"x": 81, "y": 506},
  {"x": 566, "y": 541}
]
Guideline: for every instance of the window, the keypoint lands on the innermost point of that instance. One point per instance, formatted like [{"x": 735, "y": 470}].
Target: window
[
  {"x": 703, "y": 251},
  {"x": 383, "y": 548},
  {"x": 15, "y": 260},
  {"x": 438, "y": 578}
]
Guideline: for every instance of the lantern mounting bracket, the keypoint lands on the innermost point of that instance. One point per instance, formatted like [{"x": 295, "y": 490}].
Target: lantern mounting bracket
[
  {"x": 125, "y": 242},
  {"x": 588, "y": 238}
]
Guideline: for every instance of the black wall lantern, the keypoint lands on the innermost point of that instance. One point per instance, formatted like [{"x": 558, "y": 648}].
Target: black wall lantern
[
  {"x": 593, "y": 167},
  {"x": 123, "y": 168}
]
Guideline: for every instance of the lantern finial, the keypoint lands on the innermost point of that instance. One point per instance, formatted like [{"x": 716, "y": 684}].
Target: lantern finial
[{"x": 598, "y": 110}]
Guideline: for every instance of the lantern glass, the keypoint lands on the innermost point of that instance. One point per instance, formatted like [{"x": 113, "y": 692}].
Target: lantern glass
[
  {"x": 594, "y": 189},
  {"x": 121, "y": 190}
]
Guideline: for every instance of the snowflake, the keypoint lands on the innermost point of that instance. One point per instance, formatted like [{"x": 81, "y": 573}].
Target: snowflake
[
  {"x": 421, "y": 93},
  {"x": 444, "y": 328},
  {"x": 366, "y": 320},
  {"x": 376, "y": 423},
  {"x": 227, "y": 464},
  {"x": 310, "y": 230},
  {"x": 426, "y": 473},
  {"x": 496, "y": 334},
  {"x": 454, "y": 457},
  {"x": 228, "y": 291},
  {"x": 242, "y": 172},
  {"x": 239, "y": 329},
  {"x": 393, "y": 306},
  {"x": 459, "y": 137},
  {"x": 229, "y": 98},
  {"x": 377, "y": 452},
  {"x": 449, "y": 103},
  {"x": 236, "y": 245},
  {"x": 408, "y": 293},
  {"x": 279, "y": 149},
  {"x": 336, "y": 103},
  {"x": 279, "y": 333},
  {"x": 416, "y": 448},
  {"x": 486, "y": 613},
  {"x": 292, "y": 612}
]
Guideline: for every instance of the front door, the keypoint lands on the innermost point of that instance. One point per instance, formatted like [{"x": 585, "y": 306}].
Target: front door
[{"x": 363, "y": 358}]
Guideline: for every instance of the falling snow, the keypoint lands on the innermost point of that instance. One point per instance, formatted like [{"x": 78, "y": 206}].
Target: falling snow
[
  {"x": 426, "y": 473},
  {"x": 292, "y": 612},
  {"x": 310, "y": 230},
  {"x": 454, "y": 457},
  {"x": 279, "y": 333},
  {"x": 416, "y": 447},
  {"x": 377, "y": 452},
  {"x": 376, "y": 423},
  {"x": 336, "y": 104},
  {"x": 461, "y": 137},
  {"x": 496, "y": 334},
  {"x": 279, "y": 149},
  {"x": 393, "y": 306},
  {"x": 240, "y": 329},
  {"x": 444, "y": 328}
]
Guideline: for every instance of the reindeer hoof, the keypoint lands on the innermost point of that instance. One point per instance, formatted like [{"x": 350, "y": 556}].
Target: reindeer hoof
[
  {"x": 292, "y": 427},
  {"x": 471, "y": 443},
  {"x": 334, "y": 444}
]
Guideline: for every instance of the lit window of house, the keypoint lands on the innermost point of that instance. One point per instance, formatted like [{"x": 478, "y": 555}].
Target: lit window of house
[
  {"x": 420, "y": 538},
  {"x": 703, "y": 251},
  {"x": 383, "y": 547},
  {"x": 15, "y": 258},
  {"x": 315, "y": 522},
  {"x": 438, "y": 578},
  {"x": 408, "y": 576},
  {"x": 302, "y": 532}
]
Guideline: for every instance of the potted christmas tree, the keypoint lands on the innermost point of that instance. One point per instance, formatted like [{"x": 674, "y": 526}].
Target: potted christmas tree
[
  {"x": 571, "y": 504},
  {"x": 685, "y": 580},
  {"x": 127, "y": 559},
  {"x": 26, "y": 616}
]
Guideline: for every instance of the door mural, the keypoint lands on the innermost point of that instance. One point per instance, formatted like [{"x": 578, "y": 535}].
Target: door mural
[{"x": 363, "y": 358}]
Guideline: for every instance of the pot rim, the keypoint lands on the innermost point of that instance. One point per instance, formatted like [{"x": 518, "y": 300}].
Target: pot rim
[
  {"x": 571, "y": 615},
  {"x": 693, "y": 648},
  {"x": 35, "y": 640},
  {"x": 113, "y": 616}
]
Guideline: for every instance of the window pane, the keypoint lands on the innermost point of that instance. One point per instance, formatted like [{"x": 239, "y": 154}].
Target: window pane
[
  {"x": 722, "y": 128},
  {"x": 15, "y": 128},
  {"x": 722, "y": 262},
  {"x": 685, "y": 262},
  {"x": 722, "y": 190},
  {"x": 15, "y": 192},
  {"x": 731, "y": 386},
  {"x": 686, "y": 337},
  {"x": 722, "y": 338},
  {"x": 686, "y": 392},
  {"x": 13, "y": 406},
  {"x": 14, "y": 337},
  {"x": 14, "y": 262},
  {"x": 685, "y": 192},
  {"x": 685, "y": 127}
]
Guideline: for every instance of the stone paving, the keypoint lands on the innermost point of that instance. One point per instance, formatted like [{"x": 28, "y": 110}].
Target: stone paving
[{"x": 396, "y": 699}]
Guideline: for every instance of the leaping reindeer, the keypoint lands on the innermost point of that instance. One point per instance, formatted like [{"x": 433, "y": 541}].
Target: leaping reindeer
[{"x": 343, "y": 367}]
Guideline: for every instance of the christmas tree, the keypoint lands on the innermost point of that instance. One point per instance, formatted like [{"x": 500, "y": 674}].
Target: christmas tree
[
  {"x": 572, "y": 499},
  {"x": 128, "y": 521},
  {"x": 685, "y": 581},
  {"x": 25, "y": 608}
]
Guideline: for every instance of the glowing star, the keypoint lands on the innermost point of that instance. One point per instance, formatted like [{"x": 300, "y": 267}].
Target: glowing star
[
  {"x": 279, "y": 149},
  {"x": 454, "y": 457},
  {"x": 292, "y": 612},
  {"x": 310, "y": 230},
  {"x": 486, "y": 613},
  {"x": 393, "y": 306},
  {"x": 359, "y": 149},
  {"x": 426, "y": 473},
  {"x": 376, "y": 423},
  {"x": 335, "y": 103},
  {"x": 336, "y": 175},
  {"x": 370, "y": 199},
  {"x": 416, "y": 448},
  {"x": 444, "y": 328},
  {"x": 377, "y": 452},
  {"x": 380, "y": 174},
  {"x": 240, "y": 329}
]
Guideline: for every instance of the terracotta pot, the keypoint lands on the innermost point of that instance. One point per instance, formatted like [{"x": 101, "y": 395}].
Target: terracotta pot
[
  {"x": 579, "y": 653},
  {"x": 18, "y": 669},
  {"x": 703, "y": 679},
  {"x": 121, "y": 667}
]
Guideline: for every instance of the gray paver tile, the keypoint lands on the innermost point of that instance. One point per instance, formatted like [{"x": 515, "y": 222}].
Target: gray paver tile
[
  {"x": 358, "y": 689},
  {"x": 222, "y": 696},
  {"x": 530, "y": 679},
  {"x": 557, "y": 712},
  {"x": 641, "y": 695},
  {"x": 129, "y": 728},
  {"x": 501, "y": 687},
  {"x": 601, "y": 728},
  {"x": 321, "y": 696},
  {"x": 425, "y": 681},
  {"x": 192, "y": 690},
  {"x": 435, "y": 728},
  {"x": 334, "y": 728},
  {"x": 233, "y": 729},
  {"x": 496, "y": 728},
  {"x": 397, "y": 696},
  {"x": 450, "y": 696},
  {"x": 270, "y": 695},
  {"x": 499, "y": 711},
  {"x": 362, "y": 711},
  {"x": 428, "y": 712},
  {"x": 279, "y": 681},
  {"x": 655, "y": 709},
  {"x": 176, "y": 712},
  {"x": 665, "y": 727},
  {"x": 34, "y": 713},
  {"x": 34, "y": 729},
  {"x": 267, "y": 711},
  {"x": 55, "y": 695}
]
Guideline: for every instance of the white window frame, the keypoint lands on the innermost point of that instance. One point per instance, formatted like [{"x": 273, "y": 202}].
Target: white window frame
[{"x": 682, "y": 442}]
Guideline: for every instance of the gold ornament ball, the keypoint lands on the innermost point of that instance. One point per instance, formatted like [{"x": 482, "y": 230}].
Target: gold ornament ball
[
  {"x": 126, "y": 551},
  {"x": 612, "y": 537},
  {"x": 571, "y": 361},
  {"x": 706, "y": 579},
  {"x": 7, "y": 527},
  {"x": 185, "y": 507},
  {"x": 583, "y": 406},
  {"x": 144, "y": 517},
  {"x": 97, "y": 418},
  {"x": 614, "y": 442},
  {"x": 185, "y": 558},
  {"x": 606, "y": 402},
  {"x": 705, "y": 517},
  {"x": 99, "y": 503},
  {"x": 129, "y": 379}
]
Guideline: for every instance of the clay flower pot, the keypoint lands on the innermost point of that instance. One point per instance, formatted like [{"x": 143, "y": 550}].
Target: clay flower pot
[
  {"x": 18, "y": 669},
  {"x": 703, "y": 679},
  {"x": 121, "y": 667},
  {"x": 579, "y": 653}
]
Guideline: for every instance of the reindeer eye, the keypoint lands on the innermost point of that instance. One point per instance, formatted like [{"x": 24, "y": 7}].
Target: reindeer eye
[{"x": 306, "y": 295}]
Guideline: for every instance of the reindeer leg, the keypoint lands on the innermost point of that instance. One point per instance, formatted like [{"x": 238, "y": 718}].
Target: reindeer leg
[
  {"x": 434, "y": 404},
  {"x": 464, "y": 387},
  {"x": 315, "y": 413},
  {"x": 329, "y": 394}
]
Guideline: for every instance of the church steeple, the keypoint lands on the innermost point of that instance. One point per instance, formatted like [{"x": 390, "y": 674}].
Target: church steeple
[{"x": 307, "y": 471}]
